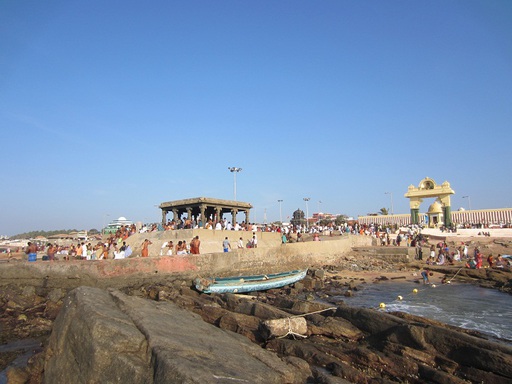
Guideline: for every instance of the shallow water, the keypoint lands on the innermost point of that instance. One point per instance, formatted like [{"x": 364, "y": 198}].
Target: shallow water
[{"x": 486, "y": 310}]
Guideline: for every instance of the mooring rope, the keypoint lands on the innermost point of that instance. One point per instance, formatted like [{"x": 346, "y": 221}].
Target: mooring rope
[
  {"x": 312, "y": 313},
  {"x": 290, "y": 330},
  {"x": 460, "y": 269}
]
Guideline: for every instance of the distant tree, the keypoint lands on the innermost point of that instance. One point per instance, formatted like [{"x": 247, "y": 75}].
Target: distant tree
[
  {"x": 93, "y": 231},
  {"x": 326, "y": 221},
  {"x": 341, "y": 219},
  {"x": 34, "y": 234},
  {"x": 384, "y": 211}
]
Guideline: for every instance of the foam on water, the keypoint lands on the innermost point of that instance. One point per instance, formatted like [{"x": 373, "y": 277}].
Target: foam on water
[{"x": 486, "y": 310}]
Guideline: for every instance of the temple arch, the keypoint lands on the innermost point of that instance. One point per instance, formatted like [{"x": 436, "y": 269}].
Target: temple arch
[{"x": 441, "y": 209}]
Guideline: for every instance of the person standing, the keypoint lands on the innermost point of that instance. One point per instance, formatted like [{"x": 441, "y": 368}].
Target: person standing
[
  {"x": 226, "y": 245},
  {"x": 432, "y": 255},
  {"x": 164, "y": 246},
  {"x": 145, "y": 248},
  {"x": 170, "y": 248},
  {"x": 84, "y": 251},
  {"x": 419, "y": 251},
  {"x": 240, "y": 244},
  {"x": 194, "y": 245},
  {"x": 104, "y": 248},
  {"x": 478, "y": 260},
  {"x": 31, "y": 251},
  {"x": 51, "y": 252},
  {"x": 79, "y": 251}
]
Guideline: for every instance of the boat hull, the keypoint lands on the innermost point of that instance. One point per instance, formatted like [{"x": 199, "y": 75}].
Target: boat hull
[{"x": 253, "y": 283}]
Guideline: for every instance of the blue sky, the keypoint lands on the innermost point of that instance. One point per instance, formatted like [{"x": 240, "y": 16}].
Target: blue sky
[{"x": 110, "y": 108}]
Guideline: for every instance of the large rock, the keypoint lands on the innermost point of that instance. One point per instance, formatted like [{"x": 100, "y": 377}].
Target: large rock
[
  {"x": 107, "y": 336},
  {"x": 94, "y": 341}
]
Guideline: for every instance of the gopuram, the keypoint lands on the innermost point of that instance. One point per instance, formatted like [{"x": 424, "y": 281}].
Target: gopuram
[
  {"x": 440, "y": 211},
  {"x": 298, "y": 218},
  {"x": 204, "y": 208}
]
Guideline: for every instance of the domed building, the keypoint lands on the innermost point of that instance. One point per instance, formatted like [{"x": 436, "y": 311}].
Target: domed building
[
  {"x": 114, "y": 225},
  {"x": 435, "y": 215}
]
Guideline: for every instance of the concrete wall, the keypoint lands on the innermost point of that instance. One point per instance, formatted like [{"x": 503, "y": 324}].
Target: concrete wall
[
  {"x": 211, "y": 240},
  {"x": 121, "y": 273}
]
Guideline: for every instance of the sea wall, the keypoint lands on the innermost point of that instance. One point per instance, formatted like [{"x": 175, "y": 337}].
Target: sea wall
[{"x": 116, "y": 273}]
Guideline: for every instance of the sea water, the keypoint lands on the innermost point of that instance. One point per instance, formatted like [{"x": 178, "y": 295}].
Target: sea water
[{"x": 464, "y": 305}]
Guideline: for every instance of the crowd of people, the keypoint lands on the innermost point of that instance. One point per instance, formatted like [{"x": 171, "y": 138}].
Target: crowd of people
[
  {"x": 115, "y": 245},
  {"x": 440, "y": 254},
  {"x": 181, "y": 247}
]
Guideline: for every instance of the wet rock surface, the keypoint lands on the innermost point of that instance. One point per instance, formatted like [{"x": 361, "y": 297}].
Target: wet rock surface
[{"x": 341, "y": 344}]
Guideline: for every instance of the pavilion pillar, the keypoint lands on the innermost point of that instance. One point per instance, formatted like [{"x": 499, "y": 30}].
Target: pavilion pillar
[
  {"x": 164, "y": 216},
  {"x": 234, "y": 212},
  {"x": 247, "y": 217},
  {"x": 175, "y": 214},
  {"x": 202, "y": 210},
  {"x": 218, "y": 212}
]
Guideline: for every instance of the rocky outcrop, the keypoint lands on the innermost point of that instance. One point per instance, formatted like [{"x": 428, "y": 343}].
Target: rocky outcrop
[
  {"x": 485, "y": 277},
  {"x": 161, "y": 330},
  {"x": 359, "y": 345},
  {"x": 107, "y": 336}
]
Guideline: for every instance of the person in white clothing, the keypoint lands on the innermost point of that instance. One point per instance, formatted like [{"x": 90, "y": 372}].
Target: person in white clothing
[
  {"x": 162, "y": 249},
  {"x": 84, "y": 252}
]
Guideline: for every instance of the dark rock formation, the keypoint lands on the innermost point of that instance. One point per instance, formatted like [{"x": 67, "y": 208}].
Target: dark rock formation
[
  {"x": 159, "y": 332},
  {"x": 107, "y": 336}
]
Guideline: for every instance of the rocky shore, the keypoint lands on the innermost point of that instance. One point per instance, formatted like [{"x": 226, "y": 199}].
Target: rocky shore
[
  {"x": 172, "y": 333},
  {"x": 155, "y": 332}
]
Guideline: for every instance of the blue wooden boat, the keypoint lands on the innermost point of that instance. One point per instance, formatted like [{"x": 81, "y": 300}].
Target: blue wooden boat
[{"x": 252, "y": 283}]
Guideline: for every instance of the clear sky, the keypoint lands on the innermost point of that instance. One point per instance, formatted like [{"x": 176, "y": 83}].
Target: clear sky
[{"x": 108, "y": 108}]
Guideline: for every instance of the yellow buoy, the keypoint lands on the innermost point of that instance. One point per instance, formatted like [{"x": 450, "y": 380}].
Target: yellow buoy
[
  {"x": 414, "y": 290},
  {"x": 382, "y": 305},
  {"x": 399, "y": 297}
]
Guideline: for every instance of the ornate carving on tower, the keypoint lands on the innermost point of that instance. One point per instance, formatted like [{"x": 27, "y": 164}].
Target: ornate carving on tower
[{"x": 298, "y": 218}]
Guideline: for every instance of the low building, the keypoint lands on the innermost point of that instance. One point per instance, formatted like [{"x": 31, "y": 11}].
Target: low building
[{"x": 114, "y": 225}]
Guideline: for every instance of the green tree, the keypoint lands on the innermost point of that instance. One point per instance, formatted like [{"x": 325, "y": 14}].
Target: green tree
[
  {"x": 324, "y": 222},
  {"x": 384, "y": 211},
  {"x": 341, "y": 219}
]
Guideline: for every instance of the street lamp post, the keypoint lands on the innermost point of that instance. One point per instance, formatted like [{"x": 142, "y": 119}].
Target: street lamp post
[
  {"x": 391, "y": 195},
  {"x": 234, "y": 171},
  {"x": 280, "y": 212},
  {"x": 306, "y": 199},
  {"x": 469, "y": 201}
]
